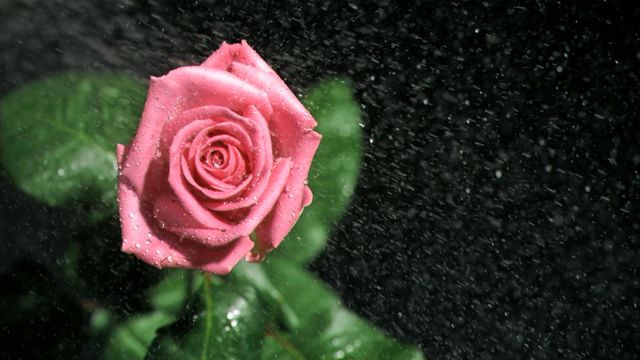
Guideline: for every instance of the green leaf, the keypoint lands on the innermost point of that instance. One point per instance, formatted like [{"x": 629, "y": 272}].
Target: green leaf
[
  {"x": 226, "y": 322},
  {"x": 131, "y": 339},
  {"x": 334, "y": 170},
  {"x": 309, "y": 299},
  {"x": 326, "y": 329},
  {"x": 254, "y": 274},
  {"x": 171, "y": 292},
  {"x": 58, "y": 135}
]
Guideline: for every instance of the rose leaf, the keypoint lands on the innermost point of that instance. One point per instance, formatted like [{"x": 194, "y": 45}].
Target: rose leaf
[
  {"x": 170, "y": 294},
  {"x": 225, "y": 322},
  {"x": 58, "y": 135},
  {"x": 131, "y": 339},
  {"x": 326, "y": 329}
]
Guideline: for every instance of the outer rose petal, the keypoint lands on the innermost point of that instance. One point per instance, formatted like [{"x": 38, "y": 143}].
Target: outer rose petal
[
  {"x": 307, "y": 198},
  {"x": 296, "y": 139},
  {"x": 289, "y": 206},
  {"x": 229, "y": 53},
  {"x": 162, "y": 249}
]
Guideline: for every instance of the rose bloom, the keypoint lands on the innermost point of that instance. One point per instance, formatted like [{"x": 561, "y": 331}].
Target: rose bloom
[{"x": 222, "y": 152}]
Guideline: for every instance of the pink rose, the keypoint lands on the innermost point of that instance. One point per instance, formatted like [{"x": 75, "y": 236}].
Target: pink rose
[{"x": 222, "y": 152}]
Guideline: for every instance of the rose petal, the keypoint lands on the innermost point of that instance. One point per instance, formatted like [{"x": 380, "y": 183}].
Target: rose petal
[
  {"x": 287, "y": 210},
  {"x": 142, "y": 237},
  {"x": 292, "y": 115},
  {"x": 174, "y": 218},
  {"x": 121, "y": 151},
  {"x": 243, "y": 53},
  {"x": 307, "y": 197}
]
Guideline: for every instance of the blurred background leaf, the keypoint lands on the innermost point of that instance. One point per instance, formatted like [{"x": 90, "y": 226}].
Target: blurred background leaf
[
  {"x": 131, "y": 339},
  {"x": 334, "y": 170},
  {"x": 58, "y": 135}
]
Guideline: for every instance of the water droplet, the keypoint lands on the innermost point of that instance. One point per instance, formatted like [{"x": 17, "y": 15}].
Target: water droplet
[
  {"x": 61, "y": 172},
  {"x": 227, "y": 328},
  {"x": 234, "y": 323},
  {"x": 137, "y": 246},
  {"x": 136, "y": 227},
  {"x": 339, "y": 354},
  {"x": 194, "y": 318},
  {"x": 131, "y": 215},
  {"x": 169, "y": 258},
  {"x": 498, "y": 174}
]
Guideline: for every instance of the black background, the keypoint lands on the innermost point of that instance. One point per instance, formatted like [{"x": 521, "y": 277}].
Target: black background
[{"x": 496, "y": 214}]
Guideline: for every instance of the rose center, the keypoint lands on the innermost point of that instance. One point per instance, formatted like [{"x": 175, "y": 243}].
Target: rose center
[{"x": 215, "y": 159}]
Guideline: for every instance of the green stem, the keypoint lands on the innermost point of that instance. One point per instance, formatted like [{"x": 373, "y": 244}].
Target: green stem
[{"x": 208, "y": 302}]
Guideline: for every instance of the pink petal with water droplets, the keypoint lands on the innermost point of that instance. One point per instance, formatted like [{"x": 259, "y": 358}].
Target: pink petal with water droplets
[{"x": 144, "y": 238}]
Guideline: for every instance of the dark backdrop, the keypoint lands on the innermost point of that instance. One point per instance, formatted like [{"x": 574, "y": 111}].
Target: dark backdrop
[{"x": 496, "y": 215}]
